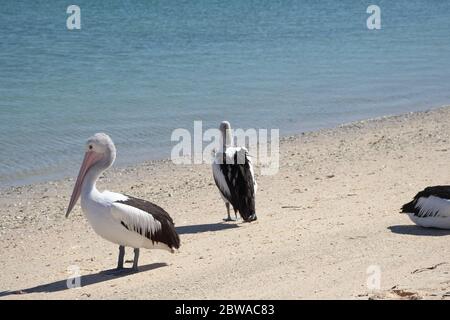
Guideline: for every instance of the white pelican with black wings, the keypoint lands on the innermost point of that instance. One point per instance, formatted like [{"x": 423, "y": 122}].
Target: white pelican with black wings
[
  {"x": 430, "y": 207},
  {"x": 234, "y": 176},
  {"x": 118, "y": 218}
]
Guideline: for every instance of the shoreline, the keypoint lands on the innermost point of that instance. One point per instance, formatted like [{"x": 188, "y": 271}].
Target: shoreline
[
  {"x": 42, "y": 181},
  {"x": 328, "y": 215}
]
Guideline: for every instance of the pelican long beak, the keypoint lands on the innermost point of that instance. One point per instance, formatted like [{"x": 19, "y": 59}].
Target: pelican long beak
[{"x": 90, "y": 158}]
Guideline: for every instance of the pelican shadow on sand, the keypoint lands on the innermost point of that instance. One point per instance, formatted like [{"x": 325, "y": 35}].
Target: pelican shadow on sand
[
  {"x": 208, "y": 227},
  {"x": 418, "y": 231},
  {"x": 85, "y": 281}
]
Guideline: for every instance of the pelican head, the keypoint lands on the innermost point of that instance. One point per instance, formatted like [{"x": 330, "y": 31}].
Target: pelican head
[
  {"x": 100, "y": 155},
  {"x": 225, "y": 129}
]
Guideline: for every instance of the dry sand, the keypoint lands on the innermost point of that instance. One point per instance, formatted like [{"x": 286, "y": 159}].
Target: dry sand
[{"x": 330, "y": 213}]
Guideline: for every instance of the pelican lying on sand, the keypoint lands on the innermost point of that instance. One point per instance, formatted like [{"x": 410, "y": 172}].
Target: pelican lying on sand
[{"x": 430, "y": 207}]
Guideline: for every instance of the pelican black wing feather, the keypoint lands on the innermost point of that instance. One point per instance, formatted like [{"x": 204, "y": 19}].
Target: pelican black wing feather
[
  {"x": 240, "y": 182},
  {"x": 167, "y": 234},
  {"x": 442, "y": 192}
]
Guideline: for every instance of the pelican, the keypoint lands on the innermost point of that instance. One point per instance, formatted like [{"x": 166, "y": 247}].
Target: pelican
[
  {"x": 234, "y": 177},
  {"x": 430, "y": 207},
  {"x": 119, "y": 218}
]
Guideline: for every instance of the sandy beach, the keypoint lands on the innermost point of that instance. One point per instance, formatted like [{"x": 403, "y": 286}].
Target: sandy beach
[{"x": 329, "y": 217}]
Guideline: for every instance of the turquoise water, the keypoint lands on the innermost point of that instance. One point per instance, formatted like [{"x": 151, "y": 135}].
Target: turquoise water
[{"x": 139, "y": 69}]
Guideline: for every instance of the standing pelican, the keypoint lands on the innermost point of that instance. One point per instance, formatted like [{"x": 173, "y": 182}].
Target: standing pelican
[
  {"x": 430, "y": 207},
  {"x": 121, "y": 219},
  {"x": 233, "y": 174}
]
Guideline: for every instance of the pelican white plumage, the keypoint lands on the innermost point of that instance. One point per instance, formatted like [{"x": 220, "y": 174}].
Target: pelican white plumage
[
  {"x": 118, "y": 218},
  {"x": 430, "y": 207},
  {"x": 234, "y": 176}
]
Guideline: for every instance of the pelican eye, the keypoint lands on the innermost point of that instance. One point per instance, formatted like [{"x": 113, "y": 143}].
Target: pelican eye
[{"x": 90, "y": 147}]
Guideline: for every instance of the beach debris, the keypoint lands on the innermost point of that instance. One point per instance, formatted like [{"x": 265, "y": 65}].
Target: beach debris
[
  {"x": 357, "y": 237},
  {"x": 406, "y": 294},
  {"x": 428, "y": 268},
  {"x": 395, "y": 293}
]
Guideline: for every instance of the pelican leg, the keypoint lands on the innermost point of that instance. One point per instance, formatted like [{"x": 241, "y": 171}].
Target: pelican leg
[
  {"x": 120, "y": 269},
  {"x": 136, "y": 258},
  {"x": 121, "y": 256},
  {"x": 228, "y": 212}
]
